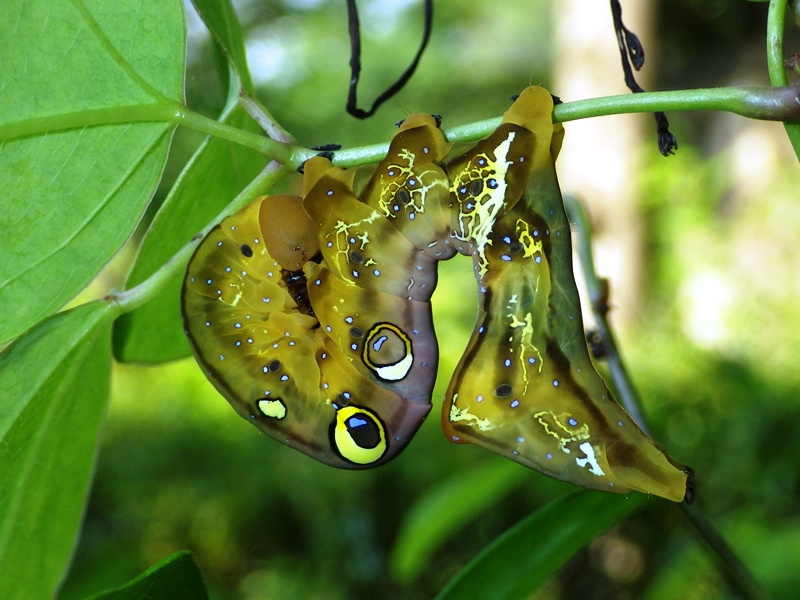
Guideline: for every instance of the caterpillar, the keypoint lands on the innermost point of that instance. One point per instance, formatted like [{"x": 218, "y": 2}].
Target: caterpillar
[{"x": 312, "y": 315}]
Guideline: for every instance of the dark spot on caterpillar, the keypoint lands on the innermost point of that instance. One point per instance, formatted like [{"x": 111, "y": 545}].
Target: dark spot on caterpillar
[
  {"x": 516, "y": 248},
  {"x": 363, "y": 430},
  {"x": 342, "y": 400},
  {"x": 327, "y": 147},
  {"x": 503, "y": 390},
  {"x": 356, "y": 332},
  {"x": 356, "y": 257},
  {"x": 476, "y": 187},
  {"x": 246, "y": 250},
  {"x": 274, "y": 365},
  {"x": 297, "y": 287},
  {"x": 403, "y": 196}
]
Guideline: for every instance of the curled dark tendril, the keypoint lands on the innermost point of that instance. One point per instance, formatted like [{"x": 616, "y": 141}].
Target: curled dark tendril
[
  {"x": 354, "y": 30},
  {"x": 632, "y": 51}
]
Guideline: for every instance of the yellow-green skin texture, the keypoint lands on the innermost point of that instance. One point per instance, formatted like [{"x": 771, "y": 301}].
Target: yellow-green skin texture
[{"x": 526, "y": 387}]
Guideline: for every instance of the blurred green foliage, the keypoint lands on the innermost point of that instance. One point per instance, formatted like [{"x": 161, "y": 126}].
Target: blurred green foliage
[{"x": 714, "y": 353}]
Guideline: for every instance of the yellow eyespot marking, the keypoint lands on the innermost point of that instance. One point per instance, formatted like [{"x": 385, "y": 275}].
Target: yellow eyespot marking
[
  {"x": 272, "y": 408},
  {"x": 359, "y": 435},
  {"x": 387, "y": 352}
]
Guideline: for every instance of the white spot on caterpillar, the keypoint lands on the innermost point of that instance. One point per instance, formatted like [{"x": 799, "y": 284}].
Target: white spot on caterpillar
[
  {"x": 590, "y": 459},
  {"x": 397, "y": 371},
  {"x": 272, "y": 408}
]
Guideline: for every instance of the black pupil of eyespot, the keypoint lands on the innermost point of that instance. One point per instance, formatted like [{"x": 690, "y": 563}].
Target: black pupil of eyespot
[
  {"x": 476, "y": 187},
  {"x": 363, "y": 430},
  {"x": 356, "y": 257},
  {"x": 403, "y": 196},
  {"x": 342, "y": 400},
  {"x": 503, "y": 390},
  {"x": 246, "y": 250},
  {"x": 515, "y": 248},
  {"x": 356, "y": 332},
  {"x": 274, "y": 365}
]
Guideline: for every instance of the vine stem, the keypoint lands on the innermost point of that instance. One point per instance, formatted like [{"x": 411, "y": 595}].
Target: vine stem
[
  {"x": 735, "y": 571},
  {"x": 764, "y": 103},
  {"x": 776, "y": 20}
]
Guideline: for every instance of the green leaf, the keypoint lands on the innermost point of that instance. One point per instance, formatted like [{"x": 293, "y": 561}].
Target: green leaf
[
  {"x": 520, "y": 560},
  {"x": 76, "y": 172},
  {"x": 443, "y": 510},
  {"x": 216, "y": 174},
  {"x": 53, "y": 390},
  {"x": 174, "y": 578},
  {"x": 221, "y": 20}
]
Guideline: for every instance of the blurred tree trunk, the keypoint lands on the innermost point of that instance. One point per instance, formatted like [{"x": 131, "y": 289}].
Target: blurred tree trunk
[{"x": 601, "y": 157}]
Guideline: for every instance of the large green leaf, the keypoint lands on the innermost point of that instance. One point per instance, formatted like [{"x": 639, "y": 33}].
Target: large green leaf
[
  {"x": 216, "y": 174},
  {"x": 445, "y": 509},
  {"x": 174, "y": 578},
  {"x": 520, "y": 560},
  {"x": 76, "y": 172},
  {"x": 53, "y": 391}
]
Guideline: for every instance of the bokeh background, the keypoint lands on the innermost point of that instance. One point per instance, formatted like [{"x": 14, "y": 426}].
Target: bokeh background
[{"x": 702, "y": 254}]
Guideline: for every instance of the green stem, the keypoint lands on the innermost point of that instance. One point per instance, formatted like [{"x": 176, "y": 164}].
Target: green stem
[
  {"x": 776, "y": 20},
  {"x": 149, "y": 288},
  {"x": 733, "y": 568},
  {"x": 765, "y": 103},
  {"x": 276, "y": 150},
  {"x": 162, "y": 112}
]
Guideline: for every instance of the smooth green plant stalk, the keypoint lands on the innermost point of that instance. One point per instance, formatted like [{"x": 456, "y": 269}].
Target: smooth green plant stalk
[
  {"x": 776, "y": 21},
  {"x": 765, "y": 103},
  {"x": 160, "y": 111},
  {"x": 778, "y": 103},
  {"x": 149, "y": 288},
  {"x": 739, "y": 577}
]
